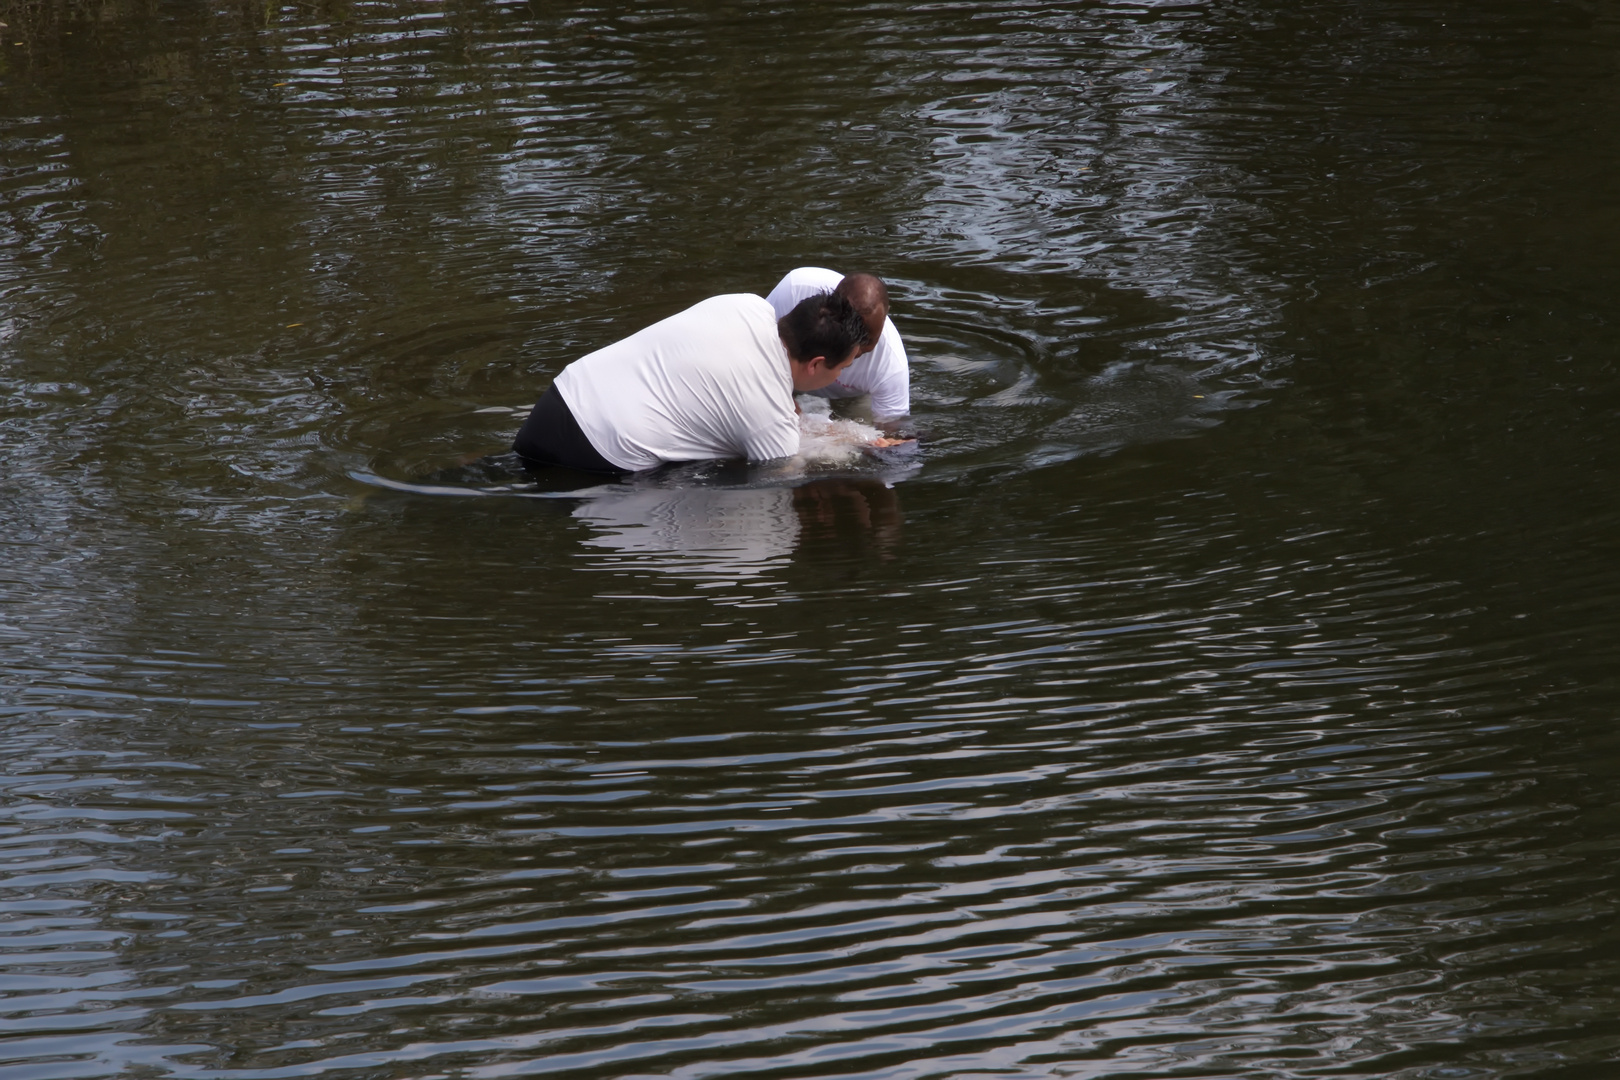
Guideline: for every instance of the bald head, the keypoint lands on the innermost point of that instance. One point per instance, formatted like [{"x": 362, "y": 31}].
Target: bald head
[{"x": 867, "y": 294}]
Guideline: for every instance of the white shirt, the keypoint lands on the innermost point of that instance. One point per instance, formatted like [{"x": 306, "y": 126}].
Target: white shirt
[
  {"x": 710, "y": 382},
  {"x": 883, "y": 372}
]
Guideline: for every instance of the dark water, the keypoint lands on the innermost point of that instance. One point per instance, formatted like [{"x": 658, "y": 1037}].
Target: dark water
[{"x": 1226, "y": 688}]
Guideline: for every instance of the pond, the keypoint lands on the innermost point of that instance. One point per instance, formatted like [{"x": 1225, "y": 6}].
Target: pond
[{"x": 1223, "y": 685}]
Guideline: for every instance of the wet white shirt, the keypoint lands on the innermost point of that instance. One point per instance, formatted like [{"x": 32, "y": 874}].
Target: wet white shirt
[
  {"x": 710, "y": 382},
  {"x": 883, "y": 372}
]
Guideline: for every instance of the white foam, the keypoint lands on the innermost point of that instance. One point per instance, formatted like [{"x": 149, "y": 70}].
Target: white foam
[{"x": 826, "y": 440}]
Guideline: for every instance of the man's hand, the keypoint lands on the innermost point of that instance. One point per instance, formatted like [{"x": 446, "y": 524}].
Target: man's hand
[{"x": 882, "y": 442}]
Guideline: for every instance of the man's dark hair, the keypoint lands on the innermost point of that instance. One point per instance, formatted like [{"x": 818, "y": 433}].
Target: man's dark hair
[{"x": 822, "y": 325}]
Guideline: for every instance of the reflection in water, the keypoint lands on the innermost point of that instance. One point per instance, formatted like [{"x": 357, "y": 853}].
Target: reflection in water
[
  {"x": 726, "y": 534},
  {"x": 867, "y": 511}
]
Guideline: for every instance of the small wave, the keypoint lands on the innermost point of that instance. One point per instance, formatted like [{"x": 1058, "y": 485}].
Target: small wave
[{"x": 828, "y": 440}]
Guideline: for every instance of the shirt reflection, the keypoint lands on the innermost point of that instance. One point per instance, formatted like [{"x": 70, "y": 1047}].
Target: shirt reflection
[{"x": 732, "y": 534}]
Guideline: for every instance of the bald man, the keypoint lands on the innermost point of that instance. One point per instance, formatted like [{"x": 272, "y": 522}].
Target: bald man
[{"x": 881, "y": 370}]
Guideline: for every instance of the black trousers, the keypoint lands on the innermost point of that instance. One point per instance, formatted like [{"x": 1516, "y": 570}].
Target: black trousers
[{"x": 551, "y": 436}]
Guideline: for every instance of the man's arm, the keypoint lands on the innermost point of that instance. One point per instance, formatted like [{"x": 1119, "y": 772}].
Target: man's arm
[
  {"x": 891, "y": 384},
  {"x": 776, "y": 438}
]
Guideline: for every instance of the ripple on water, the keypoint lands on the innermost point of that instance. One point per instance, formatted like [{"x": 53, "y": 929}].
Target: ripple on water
[
  {"x": 1221, "y": 761},
  {"x": 947, "y": 857}
]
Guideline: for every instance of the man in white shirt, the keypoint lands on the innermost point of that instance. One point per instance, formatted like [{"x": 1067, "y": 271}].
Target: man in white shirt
[
  {"x": 714, "y": 381},
  {"x": 881, "y": 369}
]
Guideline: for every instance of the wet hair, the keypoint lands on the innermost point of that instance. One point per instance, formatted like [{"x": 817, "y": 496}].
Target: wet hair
[{"x": 822, "y": 325}]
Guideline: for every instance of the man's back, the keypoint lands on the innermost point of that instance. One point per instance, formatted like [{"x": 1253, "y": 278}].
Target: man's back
[{"x": 712, "y": 381}]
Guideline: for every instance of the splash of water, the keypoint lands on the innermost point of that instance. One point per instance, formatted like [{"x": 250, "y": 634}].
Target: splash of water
[{"x": 828, "y": 440}]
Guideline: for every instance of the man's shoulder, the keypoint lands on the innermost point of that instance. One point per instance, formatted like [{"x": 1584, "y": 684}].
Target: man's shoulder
[
  {"x": 735, "y": 324},
  {"x": 891, "y": 337},
  {"x": 814, "y": 275},
  {"x": 809, "y": 279},
  {"x": 728, "y": 309},
  {"x": 742, "y": 301}
]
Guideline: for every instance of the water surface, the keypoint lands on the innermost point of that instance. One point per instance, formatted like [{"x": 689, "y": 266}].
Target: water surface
[{"x": 1225, "y": 687}]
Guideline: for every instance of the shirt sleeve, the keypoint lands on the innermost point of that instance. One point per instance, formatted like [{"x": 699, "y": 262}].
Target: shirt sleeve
[
  {"x": 780, "y": 439},
  {"x": 781, "y": 298},
  {"x": 798, "y": 284},
  {"x": 891, "y": 387}
]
